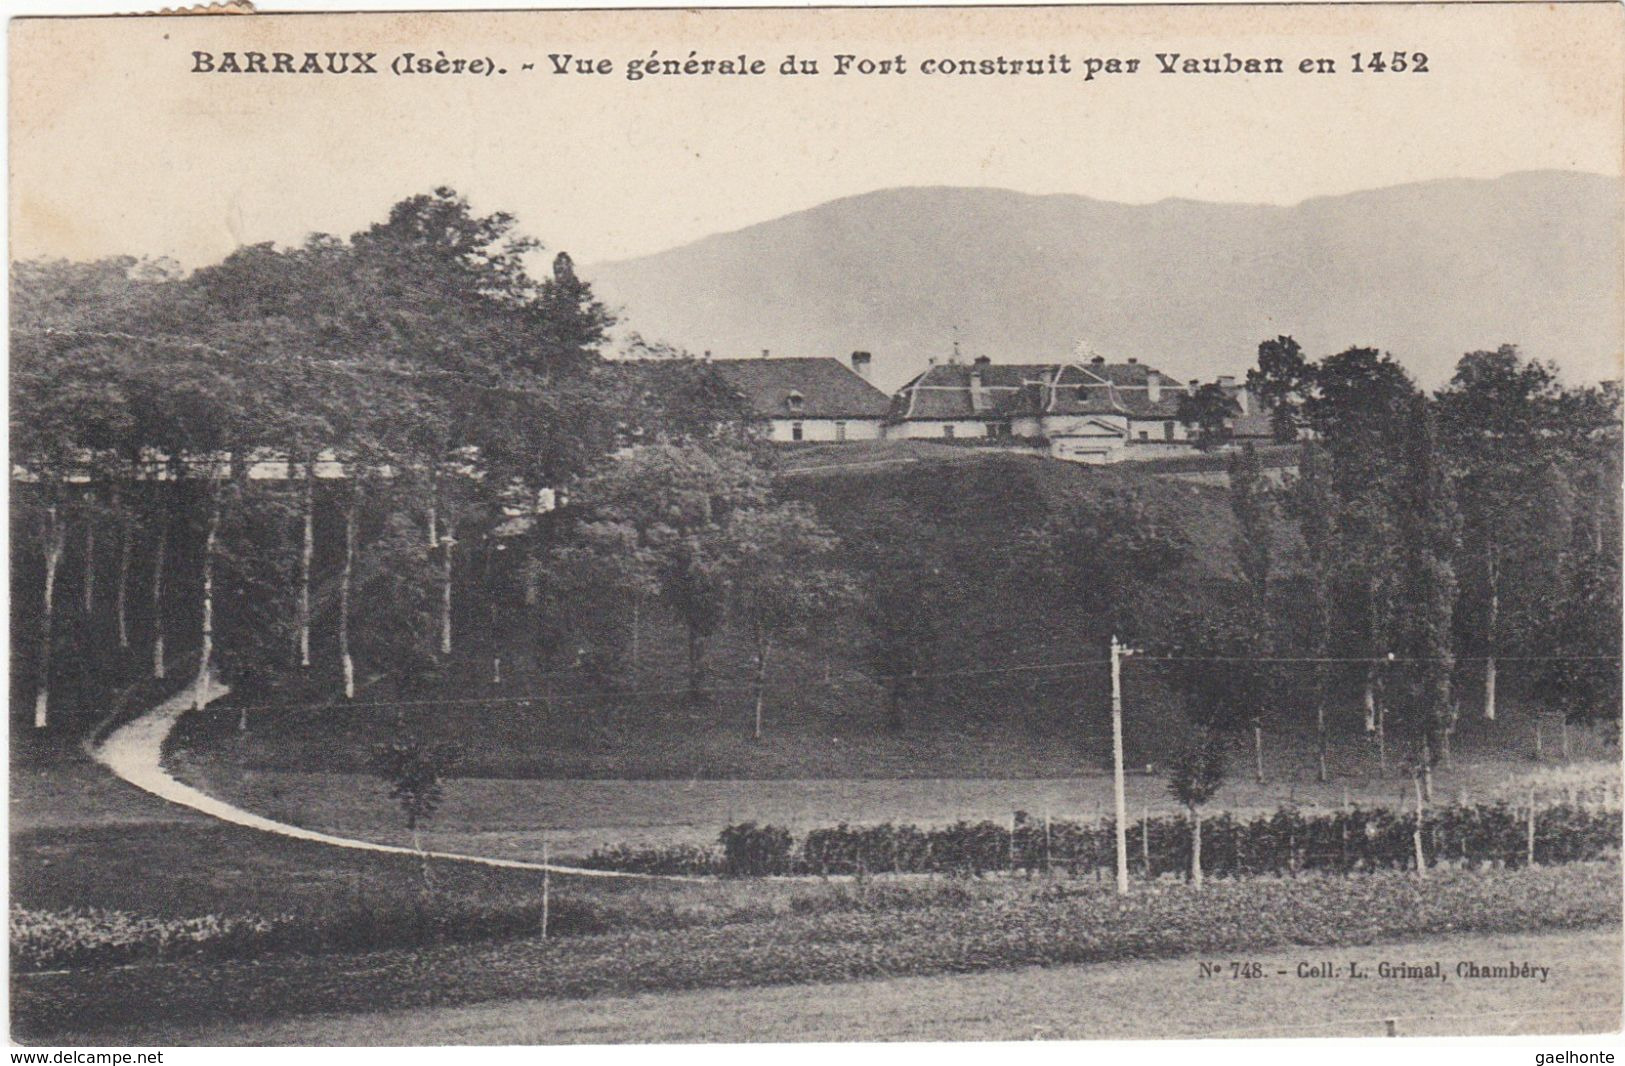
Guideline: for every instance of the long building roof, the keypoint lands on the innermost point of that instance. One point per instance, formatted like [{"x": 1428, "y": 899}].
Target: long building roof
[
  {"x": 988, "y": 390},
  {"x": 803, "y": 387}
]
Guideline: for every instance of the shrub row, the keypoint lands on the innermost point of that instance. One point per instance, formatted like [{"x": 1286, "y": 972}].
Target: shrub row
[
  {"x": 93, "y": 937},
  {"x": 42, "y": 940},
  {"x": 1284, "y": 843}
]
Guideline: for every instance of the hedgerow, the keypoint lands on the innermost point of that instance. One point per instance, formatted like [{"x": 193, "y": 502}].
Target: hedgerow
[{"x": 1287, "y": 842}]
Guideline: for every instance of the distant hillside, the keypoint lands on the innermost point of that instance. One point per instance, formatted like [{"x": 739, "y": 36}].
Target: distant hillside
[{"x": 1426, "y": 271}]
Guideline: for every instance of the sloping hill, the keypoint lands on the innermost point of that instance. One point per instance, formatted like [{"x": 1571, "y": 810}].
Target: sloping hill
[
  {"x": 1003, "y": 700},
  {"x": 1426, "y": 271}
]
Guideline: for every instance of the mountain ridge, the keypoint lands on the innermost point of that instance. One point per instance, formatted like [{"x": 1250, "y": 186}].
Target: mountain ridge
[{"x": 1427, "y": 270}]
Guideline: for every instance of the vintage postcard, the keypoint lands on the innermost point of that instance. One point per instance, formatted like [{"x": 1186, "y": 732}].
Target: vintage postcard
[{"x": 816, "y": 525}]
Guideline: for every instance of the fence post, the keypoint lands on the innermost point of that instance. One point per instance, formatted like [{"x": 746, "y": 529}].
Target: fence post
[
  {"x": 1046, "y": 843},
  {"x": 1537, "y": 741},
  {"x": 1145, "y": 838},
  {"x": 546, "y": 887},
  {"x": 1390, "y": 1026},
  {"x": 1421, "y": 857},
  {"x": 1531, "y": 856}
]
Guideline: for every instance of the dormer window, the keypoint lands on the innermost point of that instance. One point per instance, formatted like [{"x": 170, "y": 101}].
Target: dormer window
[{"x": 793, "y": 401}]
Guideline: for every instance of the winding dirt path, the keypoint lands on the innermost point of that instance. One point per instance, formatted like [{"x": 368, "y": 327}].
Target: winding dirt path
[{"x": 134, "y": 752}]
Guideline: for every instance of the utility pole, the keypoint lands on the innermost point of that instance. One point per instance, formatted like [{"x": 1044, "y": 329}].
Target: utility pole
[{"x": 1118, "y": 652}]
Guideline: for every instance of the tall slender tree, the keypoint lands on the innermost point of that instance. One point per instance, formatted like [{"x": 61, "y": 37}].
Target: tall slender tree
[
  {"x": 780, "y": 581},
  {"x": 1312, "y": 502},
  {"x": 1429, "y": 531},
  {"x": 1254, "y": 511},
  {"x": 1499, "y": 423}
]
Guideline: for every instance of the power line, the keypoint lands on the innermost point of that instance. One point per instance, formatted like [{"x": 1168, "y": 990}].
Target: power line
[
  {"x": 1380, "y": 659},
  {"x": 748, "y": 689}
]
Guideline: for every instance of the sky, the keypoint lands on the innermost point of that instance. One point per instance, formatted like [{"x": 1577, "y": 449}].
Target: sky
[{"x": 118, "y": 147}]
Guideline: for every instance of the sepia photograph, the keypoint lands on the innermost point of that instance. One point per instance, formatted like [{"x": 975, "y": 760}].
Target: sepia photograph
[{"x": 816, "y": 525}]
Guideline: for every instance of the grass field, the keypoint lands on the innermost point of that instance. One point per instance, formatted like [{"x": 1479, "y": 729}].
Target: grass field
[
  {"x": 360, "y": 940},
  {"x": 1099, "y": 1001},
  {"x": 510, "y": 818},
  {"x": 839, "y": 935}
]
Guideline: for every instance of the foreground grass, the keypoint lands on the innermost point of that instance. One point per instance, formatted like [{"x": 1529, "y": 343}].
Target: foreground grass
[
  {"x": 840, "y": 934},
  {"x": 1158, "y": 1000}
]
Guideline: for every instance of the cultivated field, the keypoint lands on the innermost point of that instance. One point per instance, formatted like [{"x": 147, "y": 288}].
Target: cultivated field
[{"x": 1100, "y": 1001}]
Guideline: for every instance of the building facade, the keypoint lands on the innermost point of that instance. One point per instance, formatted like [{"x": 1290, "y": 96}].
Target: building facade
[
  {"x": 1086, "y": 411},
  {"x": 810, "y": 399}
]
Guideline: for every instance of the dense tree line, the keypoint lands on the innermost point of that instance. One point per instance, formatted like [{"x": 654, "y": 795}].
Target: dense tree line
[
  {"x": 1446, "y": 537},
  {"x": 1448, "y": 541},
  {"x": 335, "y": 462},
  {"x": 303, "y": 457}
]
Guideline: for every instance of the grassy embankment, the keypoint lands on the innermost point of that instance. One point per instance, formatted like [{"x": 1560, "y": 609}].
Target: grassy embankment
[{"x": 1023, "y": 692}]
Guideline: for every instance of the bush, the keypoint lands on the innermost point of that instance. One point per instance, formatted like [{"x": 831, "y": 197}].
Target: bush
[
  {"x": 750, "y": 850},
  {"x": 680, "y": 860}
]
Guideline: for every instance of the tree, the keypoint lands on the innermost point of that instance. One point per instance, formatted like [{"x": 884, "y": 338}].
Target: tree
[
  {"x": 673, "y": 398},
  {"x": 1500, "y": 423},
  {"x": 1210, "y": 409},
  {"x": 414, "y": 771},
  {"x": 1254, "y": 512},
  {"x": 1193, "y": 780},
  {"x": 908, "y": 599},
  {"x": 1312, "y": 502},
  {"x": 1428, "y": 542},
  {"x": 275, "y": 303},
  {"x": 74, "y": 426},
  {"x": 66, "y": 415},
  {"x": 677, "y": 500},
  {"x": 1213, "y": 663},
  {"x": 1095, "y": 553},
  {"x": 1358, "y": 404},
  {"x": 1580, "y": 649},
  {"x": 1282, "y": 381},
  {"x": 779, "y": 580},
  {"x": 594, "y": 586},
  {"x": 502, "y": 362}
]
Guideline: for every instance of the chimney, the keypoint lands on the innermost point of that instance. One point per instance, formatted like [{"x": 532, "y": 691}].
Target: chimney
[
  {"x": 1132, "y": 360},
  {"x": 982, "y": 360},
  {"x": 1099, "y": 360},
  {"x": 978, "y": 396},
  {"x": 708, "y": 355},
  {"x": 861, "y": 362},
  {"x": 1195, "y": 384},
  {"x": 1227, "y": 381},
  {"x": 766, "y": 352}
]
